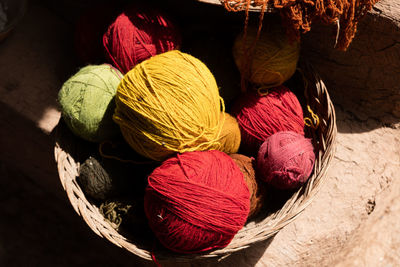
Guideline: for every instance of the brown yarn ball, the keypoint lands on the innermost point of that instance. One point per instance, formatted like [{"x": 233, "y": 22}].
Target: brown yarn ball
[{"x": 257, "y": 191}]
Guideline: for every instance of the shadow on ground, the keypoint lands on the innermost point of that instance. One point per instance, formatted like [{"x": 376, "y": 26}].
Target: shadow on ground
[{"x": 38, "y": 229}]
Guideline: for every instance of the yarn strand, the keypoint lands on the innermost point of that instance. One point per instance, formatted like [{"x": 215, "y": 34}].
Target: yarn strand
[
  {"x": 312, "y": 122},
  {"x": 248, "y": 52}
]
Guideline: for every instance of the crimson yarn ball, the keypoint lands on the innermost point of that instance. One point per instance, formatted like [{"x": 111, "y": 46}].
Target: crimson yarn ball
[
  {"x": 285, "y": 160},
  {"x": 196, "y": 201},
  {"x": 260, "y": 116},
  {"x": 137, "y": 34}
]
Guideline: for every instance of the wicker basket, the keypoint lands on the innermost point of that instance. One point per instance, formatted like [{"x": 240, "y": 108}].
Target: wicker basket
[{"x": 262, "y": 228}]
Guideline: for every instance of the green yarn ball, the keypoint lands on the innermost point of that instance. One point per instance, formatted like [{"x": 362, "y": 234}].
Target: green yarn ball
[{"x": 87, "y": 102}]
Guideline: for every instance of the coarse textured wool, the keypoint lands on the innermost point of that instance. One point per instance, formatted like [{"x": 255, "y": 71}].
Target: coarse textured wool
[
  {"x": 116, "y": 211},
  {"x": 260, "y": 116},
  {"x": 269, "y": 60},
  {"x": 196, "y": 201},
  {"x": 170, "y": 103},
  {"x": 137, "y": 34},
  {"x": 257, "y": 191},
  {"x": 285, "y": 160},
  {"x": 299, "y": 15},
  {"x": 87, "y": 102},
  {"x": 95, "y": 181}
]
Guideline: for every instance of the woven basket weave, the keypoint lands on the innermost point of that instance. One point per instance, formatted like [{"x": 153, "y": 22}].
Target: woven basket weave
[{"x": 315, "y": 96}]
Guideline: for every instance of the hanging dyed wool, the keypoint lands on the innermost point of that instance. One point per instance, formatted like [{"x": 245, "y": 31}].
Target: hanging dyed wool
[{"x": 299, "y": 15}]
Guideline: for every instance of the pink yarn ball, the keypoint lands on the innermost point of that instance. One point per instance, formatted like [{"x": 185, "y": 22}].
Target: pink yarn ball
[
  {"x": 285, "y": 160},
  {"x": 138, "y": 34},
  {"x": 260, "y": 116}
]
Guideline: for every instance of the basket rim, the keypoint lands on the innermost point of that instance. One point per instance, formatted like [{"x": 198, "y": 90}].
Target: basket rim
[{"x": 317, "y": 98}]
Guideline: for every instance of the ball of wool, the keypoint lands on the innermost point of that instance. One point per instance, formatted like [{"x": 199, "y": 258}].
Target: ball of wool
[
  {"x": 256, "y": 191},
  {"x": 95, "y": 181},
  {"x": 170, "y": 103},
  {"x": 285, "y": 160},
  {"x": 273, "y": 60},
  {"x": 89, "y": 31},
  {"x": 260, "y": 116},
  {"x": 196, "y": 201},
  {"x": 137, "y": 34},
  {"x": 87, "y": 102},
  {"x": 230, "y": 134}
]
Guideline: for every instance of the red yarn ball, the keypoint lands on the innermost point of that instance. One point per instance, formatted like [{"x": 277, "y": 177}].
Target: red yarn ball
[
  {"x": 285, "y": 160},
  {"x": 197, "y": 201},
  {"x": 89, "y": 32},
  {"x": 260, "y": 116},
  {"x": 138, "y": 34}
]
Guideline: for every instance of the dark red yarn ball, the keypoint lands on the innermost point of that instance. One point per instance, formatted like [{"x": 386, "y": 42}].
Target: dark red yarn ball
[
  {"x": 137, "y": 34},
  {"x": 197, "y": 201},
  {"x": 260, "y": 116},
  {"x": 89, "y": 30},
  {"x": 285, "y": 160}
]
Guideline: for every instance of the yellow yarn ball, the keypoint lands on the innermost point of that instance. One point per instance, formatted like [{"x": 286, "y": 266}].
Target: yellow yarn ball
[
  {"x": 230, "y": 135},
  {"x": 274, "y": 59},
  {"x": 170, "y": 103}
]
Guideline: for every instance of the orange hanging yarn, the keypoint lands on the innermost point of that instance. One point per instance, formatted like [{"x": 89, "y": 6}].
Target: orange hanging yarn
[{"x": 297, "y": 15}]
